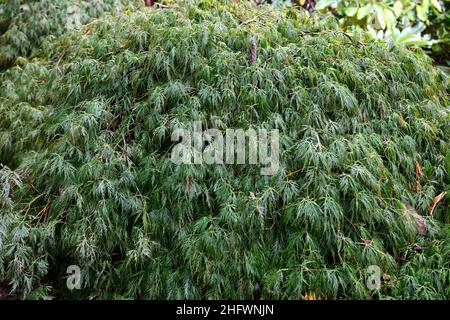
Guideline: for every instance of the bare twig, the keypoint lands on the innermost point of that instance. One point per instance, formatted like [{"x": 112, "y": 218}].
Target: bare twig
[{"x": 255, "y": 18}]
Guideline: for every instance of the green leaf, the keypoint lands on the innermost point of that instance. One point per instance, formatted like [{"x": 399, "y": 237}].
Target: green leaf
[
  {"x": 398, "y": 8},
  {"x": 415, "y": 42},
  {"x": 420, "y": 13},
  {"x": 380, "y": 35},
  {"x": 437, "y": 5},
  {"x": 372, "y": 31},
  {"x": 426, "y": 6},
  {"x": 351, "y": 11},
  {"x": 381, "y": 16},
  {"x": 363, "y": 12},
  {"x": 324, "y": 3},
  {"x": 447, "y": 160},
  {"x": 422, "y": 10},
  {"x": 389, "y": 18}
]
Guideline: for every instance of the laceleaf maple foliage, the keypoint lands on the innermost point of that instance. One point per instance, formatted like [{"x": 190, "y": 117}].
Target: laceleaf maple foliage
[
  {"x": 87, "y": 178},
  {"x": 26, "y": 24}
]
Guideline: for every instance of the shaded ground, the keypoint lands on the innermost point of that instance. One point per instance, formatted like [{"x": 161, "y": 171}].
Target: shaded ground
[{"x": 5, "y": 292}]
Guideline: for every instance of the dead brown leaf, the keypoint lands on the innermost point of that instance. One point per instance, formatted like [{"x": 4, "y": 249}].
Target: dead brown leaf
[
  {"x": 411, "y": 213},
  {"x": 435, "y": 202},
  {"x": 419, "y": 172}
]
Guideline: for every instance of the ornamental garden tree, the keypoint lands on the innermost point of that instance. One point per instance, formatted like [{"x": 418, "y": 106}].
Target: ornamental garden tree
[{"x": 87, "y": 178}]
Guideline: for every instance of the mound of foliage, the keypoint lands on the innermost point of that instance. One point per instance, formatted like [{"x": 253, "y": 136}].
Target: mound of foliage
[
  {"x": 87, "y": 177},
  {"x": 24, "y": 25}
]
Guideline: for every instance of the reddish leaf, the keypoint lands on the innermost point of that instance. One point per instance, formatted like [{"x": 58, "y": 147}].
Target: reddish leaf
[
  {"x": 435, "y": 202},
  {"x": 419, "y": 172}
]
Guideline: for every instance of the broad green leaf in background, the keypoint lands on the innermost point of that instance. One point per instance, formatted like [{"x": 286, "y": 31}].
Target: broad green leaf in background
[
  {"x": 398, "y": 8},
  {"x": 388, "y": 15},
  {"x": 389, "y": 18},
  {"x": 323, "y": 4},
  {"x": 425, "y": 6},
  {"x": 415, "y": 42},
  {"x": 380, "y": 34},
  {"x": 363, "y": 12},
  {"x": 381, "y": 16},
  {"x": 422, "y": 10},
  {"x": 351, "y": 11},
  {"x": 437, "y": 5},
  {"x": 372, "y": 31}
]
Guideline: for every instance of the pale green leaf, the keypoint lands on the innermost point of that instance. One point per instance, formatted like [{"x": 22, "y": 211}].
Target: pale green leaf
[
  {"x": 381, "y": 16},
  {"x": 437, "y": 5},
  {"x": 351, "y": 11},
  {"x": 323, "y": 4},
  {"x": 398, "y": 7},
  {"x": 363, "y": 12}
]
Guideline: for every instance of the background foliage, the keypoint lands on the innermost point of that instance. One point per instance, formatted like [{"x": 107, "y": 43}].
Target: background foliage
[
  {"x": 86, "y": 175},
  {"x": 411, "y": 22}
]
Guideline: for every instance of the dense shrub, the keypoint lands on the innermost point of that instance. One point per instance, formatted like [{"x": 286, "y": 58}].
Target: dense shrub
[
  {"x": 25, "y": 24},
  {"x": 88, "y": 180}
]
